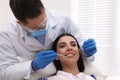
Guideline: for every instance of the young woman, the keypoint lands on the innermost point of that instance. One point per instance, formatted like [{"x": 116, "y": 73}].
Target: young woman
[{"x": 69, "y": 64}]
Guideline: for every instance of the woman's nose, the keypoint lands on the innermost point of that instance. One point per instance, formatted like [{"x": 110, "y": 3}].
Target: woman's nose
[{"x": 69, "y": 48}]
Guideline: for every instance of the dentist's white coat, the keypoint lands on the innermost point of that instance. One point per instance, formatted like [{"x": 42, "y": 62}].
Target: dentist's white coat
[{"x": 17, "y": 50}]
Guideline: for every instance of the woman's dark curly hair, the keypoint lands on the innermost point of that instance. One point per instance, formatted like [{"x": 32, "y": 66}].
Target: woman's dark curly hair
[{"x": 57, "y": 62}]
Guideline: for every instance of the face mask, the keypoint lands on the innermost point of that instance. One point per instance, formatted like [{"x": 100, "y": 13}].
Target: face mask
[{"x": 40, "y": 32}]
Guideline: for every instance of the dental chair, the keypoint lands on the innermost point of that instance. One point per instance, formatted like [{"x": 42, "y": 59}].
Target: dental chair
[{"x": 90, "y": 69}]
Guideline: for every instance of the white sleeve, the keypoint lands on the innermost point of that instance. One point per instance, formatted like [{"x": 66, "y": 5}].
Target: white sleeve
[{"x": 10, "y": 66}]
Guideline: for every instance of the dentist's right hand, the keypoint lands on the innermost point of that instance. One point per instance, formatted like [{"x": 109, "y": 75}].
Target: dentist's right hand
[{"x": 42, "y": 59}]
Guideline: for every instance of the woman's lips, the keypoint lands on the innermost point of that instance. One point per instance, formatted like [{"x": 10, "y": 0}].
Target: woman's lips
[{"x": 69, "y": 54}]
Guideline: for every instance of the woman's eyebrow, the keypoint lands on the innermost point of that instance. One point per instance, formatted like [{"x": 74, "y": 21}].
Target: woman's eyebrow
[
  {"x": 61, "y": 43},
  {"x": 73, "y": 42},
  {"x": 65, "y": 43}
]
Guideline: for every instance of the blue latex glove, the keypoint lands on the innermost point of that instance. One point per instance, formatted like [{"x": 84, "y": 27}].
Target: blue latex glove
[
  {"x": 43, "y": 59},
  {"x": 89, "y": 47}
]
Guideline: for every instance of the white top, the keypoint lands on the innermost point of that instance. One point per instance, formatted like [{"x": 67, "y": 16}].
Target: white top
[{"x": 61, "y": 75}]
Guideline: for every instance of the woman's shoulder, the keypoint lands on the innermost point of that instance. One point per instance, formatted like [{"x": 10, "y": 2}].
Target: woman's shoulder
[
  {"x": 85, "y": 76},
  {"x": 61, "y": 75}
]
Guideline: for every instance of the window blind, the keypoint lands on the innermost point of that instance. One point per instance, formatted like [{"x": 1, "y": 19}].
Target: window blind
[{"x": 98, "y": 19}]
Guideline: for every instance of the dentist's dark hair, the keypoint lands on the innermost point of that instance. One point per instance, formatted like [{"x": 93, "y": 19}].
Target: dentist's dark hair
[
  {"x": 26, "y": 9},
  {"x": 57, "y": 63}
]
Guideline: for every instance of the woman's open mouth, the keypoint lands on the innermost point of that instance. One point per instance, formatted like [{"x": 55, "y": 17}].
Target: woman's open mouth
[{"x": 70, "y": 55}]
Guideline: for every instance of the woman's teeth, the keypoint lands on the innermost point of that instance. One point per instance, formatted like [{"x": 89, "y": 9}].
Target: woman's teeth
[
  {"x": 67, "y": 55},
  {"x": 70, "y": 55}
]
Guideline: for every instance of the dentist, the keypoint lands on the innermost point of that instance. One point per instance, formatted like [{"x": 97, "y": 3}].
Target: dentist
[{"x": 25, "y": 43}]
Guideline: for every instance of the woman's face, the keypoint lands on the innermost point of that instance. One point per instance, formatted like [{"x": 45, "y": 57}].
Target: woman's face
[{"x": 68, "y": 47}]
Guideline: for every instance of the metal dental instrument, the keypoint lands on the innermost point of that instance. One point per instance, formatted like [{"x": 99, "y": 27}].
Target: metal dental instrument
[{"x": 60, "y": 55}]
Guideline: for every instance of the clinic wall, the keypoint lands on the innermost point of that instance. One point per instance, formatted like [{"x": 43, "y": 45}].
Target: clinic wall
[
  {"x": 6, "y": 15},
  {"x": 5, "y": 12}
]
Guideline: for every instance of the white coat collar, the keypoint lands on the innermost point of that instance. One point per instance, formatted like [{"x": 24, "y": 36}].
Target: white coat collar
[{"x": 29, "y": 42}]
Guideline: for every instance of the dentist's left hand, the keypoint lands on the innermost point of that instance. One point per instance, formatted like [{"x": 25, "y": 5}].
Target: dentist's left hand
[
  {"x": 42, "y": 59},
  {"x": 89, "y": 47}
]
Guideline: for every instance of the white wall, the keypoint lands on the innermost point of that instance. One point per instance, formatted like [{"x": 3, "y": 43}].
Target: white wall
[
  {"x": 6, "y": 15},
  {"x": 57, "y": 4},
  {"x": 5, "y": 12}
]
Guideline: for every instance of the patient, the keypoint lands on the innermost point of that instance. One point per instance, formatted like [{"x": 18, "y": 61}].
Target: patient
[{"x": 69, "y": 64}]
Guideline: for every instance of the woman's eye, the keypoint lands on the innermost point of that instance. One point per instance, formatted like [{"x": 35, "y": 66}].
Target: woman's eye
[
  {"x": 74, "y": 45},
  {"x": 61, "y": 46}
]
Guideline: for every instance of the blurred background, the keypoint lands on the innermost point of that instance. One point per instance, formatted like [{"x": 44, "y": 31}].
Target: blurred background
[{"x": 98, "y": 19}]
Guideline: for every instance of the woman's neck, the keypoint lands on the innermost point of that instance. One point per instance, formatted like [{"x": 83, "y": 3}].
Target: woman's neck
[{"x": 73, "y": 69}]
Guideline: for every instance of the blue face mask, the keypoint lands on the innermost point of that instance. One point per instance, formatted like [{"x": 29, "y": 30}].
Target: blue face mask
[{"x": 40, "y": 32}]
